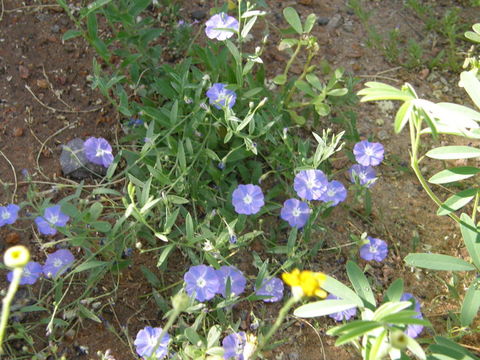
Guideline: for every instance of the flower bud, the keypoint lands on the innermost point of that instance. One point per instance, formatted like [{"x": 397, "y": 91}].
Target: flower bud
[{"x": 399, "y": 340}]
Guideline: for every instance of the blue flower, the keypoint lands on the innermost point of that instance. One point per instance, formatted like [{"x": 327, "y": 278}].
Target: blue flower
[
  {"x": 98, "y": 151},
  {"x": 203, "y": 281},
  {"x": 234, "y": 345},
  {"x": 272, "y": 288},
  {"x": 237, "y": 280},
  {"x": 413, "y": 330},
  {"x": 342, "y": 315},
  {"x": 296, "y": 212},
  {"x": 375, "y": 249},
  {"x": 335, "y": 193},
  {"x": 220, "y": 96},
  {"x": 146, "y": 342},
  {"x": 310, "y": 184},
  {"x": 364, "y": 175},
  {"x": 248, "y": 199},
  {"x": 31, "y": 272},
  {"x": 233, "y": 239},
  {"x": 8, "y": 214},
  {"x": 58, "y": 262},
  {"x": 221, "y": 26},
  {"x": 367, "y": 153},
  {"x": 52, "y": 216}
]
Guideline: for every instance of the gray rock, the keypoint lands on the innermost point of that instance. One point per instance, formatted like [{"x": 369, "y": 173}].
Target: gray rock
[
  {"x": 55, "y": 28},
  {"x": 383, "y": 135},
  {"x": 76, "y": 165},
  {"x": 322, "y": 20},
  {"x": 198, "y": 14},
  {"x": 334, "y": 22}
]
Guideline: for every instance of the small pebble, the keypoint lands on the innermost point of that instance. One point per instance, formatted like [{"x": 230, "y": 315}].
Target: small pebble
[
  {"x": 17, "y": 132},
  {"x": 55, "y": 28},
  {"x": 322, "y": 21},
  {"x": 42, "y": 83}
]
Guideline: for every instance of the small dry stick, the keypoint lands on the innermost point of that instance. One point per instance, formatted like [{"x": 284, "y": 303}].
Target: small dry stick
[{"x": 14, "y": 176}]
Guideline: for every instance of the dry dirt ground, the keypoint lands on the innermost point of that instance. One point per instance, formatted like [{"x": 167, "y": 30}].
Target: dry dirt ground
[{"x": 46, "y": 100}]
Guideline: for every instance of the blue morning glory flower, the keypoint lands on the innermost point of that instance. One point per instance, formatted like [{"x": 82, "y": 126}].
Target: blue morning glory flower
[
  {"x": 58, "y": 262},
  {"x": 203, "y": 281},
  {"x": 335, "y": 193},
  {"x": 233, "y": 239},
  {"x": 413, "y": 330},
  {"x": 98, "y": 151},
  {"x": 364, "y": 175},
  {"x": 220, "y": 96},
  {"x": 375, "y": 249},
  {"x": 52, "y": 216},
  {"x": 310, "y": 184},
  {"x": 342, "y": 315},
  {"x": 368, "y": 154},
  {"x": 146, "y": 342},
  {"x": 237, "y": 280},
  {"x": 8, "y": 214},
  {"x": 296, "y": 212},
  {"x": 221, "y": 27},
  {"x": 234, "y": 345},
  {"x": 248, "y": 199},
  {"x": 272, "y": 288},
  {"x": 30, "y": 275}
]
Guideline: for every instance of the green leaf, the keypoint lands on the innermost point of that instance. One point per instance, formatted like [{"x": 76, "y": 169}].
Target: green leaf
[
  {"x": 323, "y": 307},
  {"x": 415, "y": 348},
  {"x": 93, "y": 7},
  {"x": 357, "y": 332},
  {"x": 101, "y": 226},
  {"x": 70, "y": 34},
  {"x": 470, "y": 35},
  {"x": 453, "y": 152},
  {"x": 177, "y": 199},
  {"x": 234, "y": 51},
  {"x": 89, "y": 265},
  {"x": 374, "y": 353},
  {"x": 309, "y": 23},
  {"x": 341, "y": 291},
  {"x": 379, "y": 91},
  {"x": 164, "y": 255},
  {"x": 390, "y": 308},
  {"x": 454, "y": 174},
  {"x": 138, "y": 6},
  {"x": 293, "y": 19},
  {"x": 456, "y": 201},
  {"x": 360, "y": 283},
  {"x": 468, "y": 80},
  {"x": 471, "y": 304},
  {"x": 88, "y": 314},
  {"x": 280, "y": 79},
  {"x": 403, "y": 116},
  {"x": 471, "y": 237},
  {"x": 395, "y": 290},
  {"x": 151, "y": 277},
  {"x": 438, "y": 262}
]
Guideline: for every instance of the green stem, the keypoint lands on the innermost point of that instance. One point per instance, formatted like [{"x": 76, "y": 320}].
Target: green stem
[
  {"x": 7, "y": 301},
  {"x": 171, "y": 320},
  {"x": 292, "y": 59},
  {"x": 281, "y": 316},
  {"x": 414, "y": 163},
  {"x": 302, "y": 76}
]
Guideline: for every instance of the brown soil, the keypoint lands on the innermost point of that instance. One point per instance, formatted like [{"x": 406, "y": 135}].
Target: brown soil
[{"x": 47, "y": 100}]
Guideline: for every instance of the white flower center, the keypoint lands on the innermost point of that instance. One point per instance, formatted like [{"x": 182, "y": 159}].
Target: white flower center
[
  {"x": 100, "y": 152},
  {"x": 296, "y": 212},
  {"x": 373, "y": 249},
  {"x": 311, "y": 183},
  {"x": 362, "y": 176},
  {"x": 269, "y": 288},
  {"x": 5, "y": 215},
  {"x": 368, "y": 151},
  {"x": 57, "y": 263},
  {"x": 201, "y": 283},
  {"x": 247, "y": 199},
  {"x": 331, "y": 192},
  {"x": 53, "y": 219}
]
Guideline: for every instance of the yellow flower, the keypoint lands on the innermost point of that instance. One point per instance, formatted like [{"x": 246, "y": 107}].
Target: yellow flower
[
  {"x": 16, "y": 256},
  {"x": 305, "y": 283}
]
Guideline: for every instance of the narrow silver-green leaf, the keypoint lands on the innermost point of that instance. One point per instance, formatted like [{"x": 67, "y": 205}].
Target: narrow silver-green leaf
[
  {"x": 468, "y": 80},
  {"x": 341, "y": 291},
  {"x": 471, "y": 237},
  {"x": 360, "y": 283},
  {"x": 438, "y": 262},
  {"x": 471, "y": 304},
  {"x": 453, "y": 152},
  {"x": 454, "y": 174},
  {"x": 323, "y": 307},
  {"x": 457, "y": 201},
  {"x": 402, "y": 117}
]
